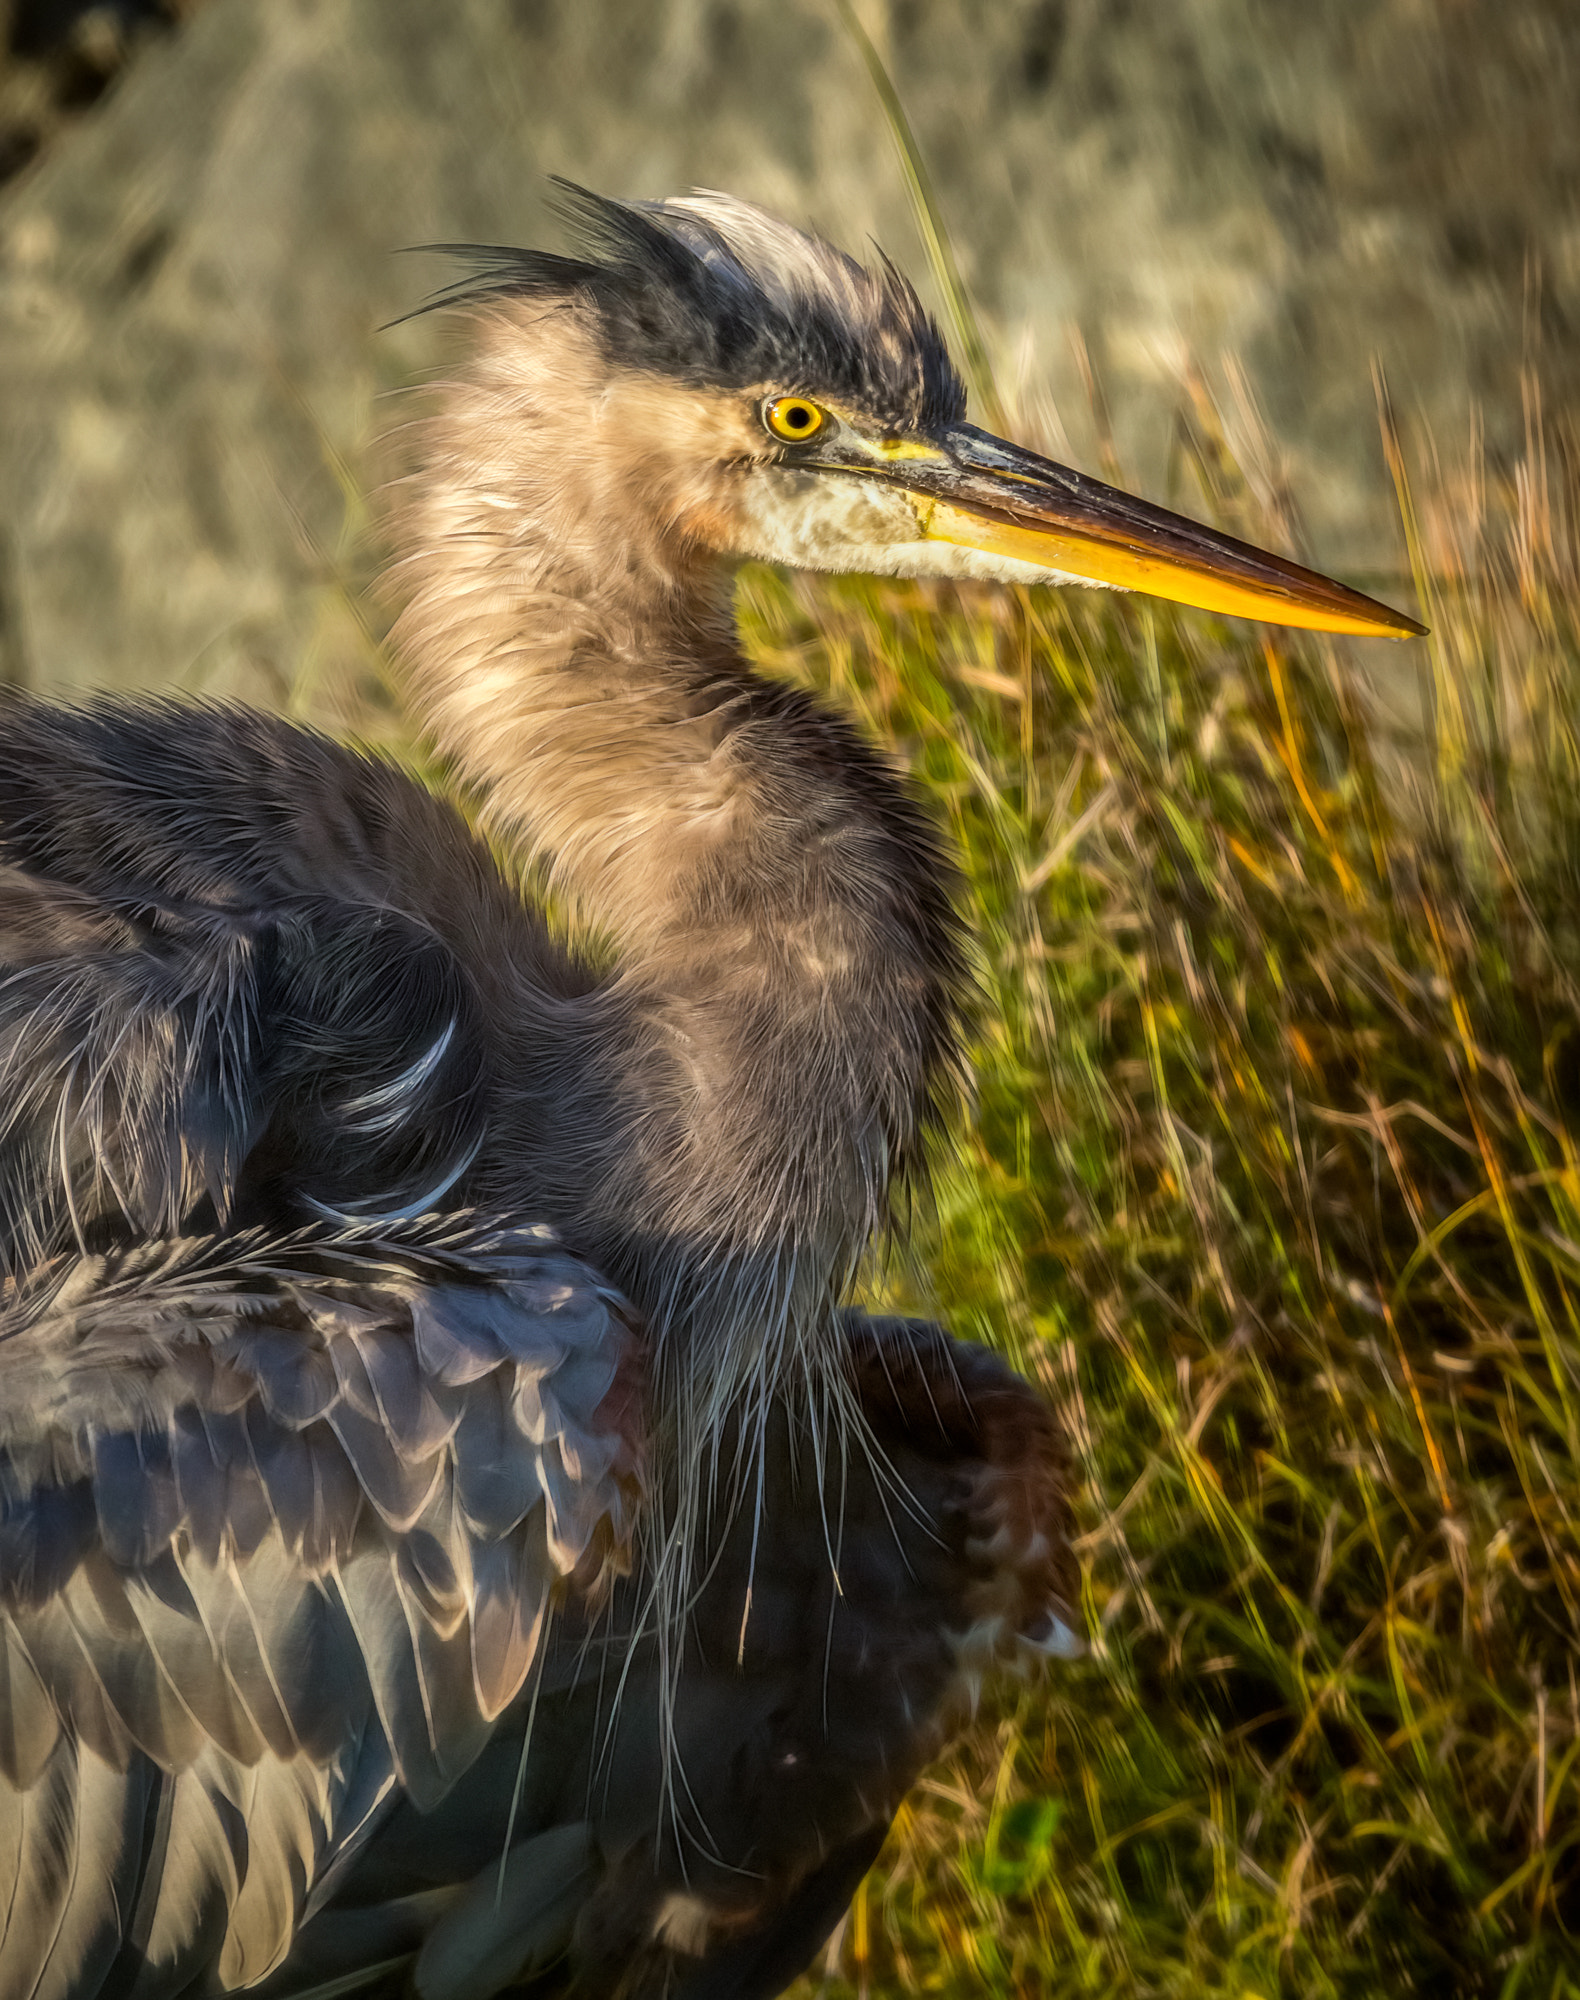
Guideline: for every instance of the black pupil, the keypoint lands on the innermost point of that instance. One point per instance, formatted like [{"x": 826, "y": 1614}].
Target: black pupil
[{"x": 798, "y": 416}]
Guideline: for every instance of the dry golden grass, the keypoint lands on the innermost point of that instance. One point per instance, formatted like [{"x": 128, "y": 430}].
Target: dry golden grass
[{"x": 1273, "y": 1182}]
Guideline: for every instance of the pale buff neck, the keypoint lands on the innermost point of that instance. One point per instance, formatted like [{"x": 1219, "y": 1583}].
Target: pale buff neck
[
  {"x": 565, "y": 620},
  {"x": 773, "y": 898}
]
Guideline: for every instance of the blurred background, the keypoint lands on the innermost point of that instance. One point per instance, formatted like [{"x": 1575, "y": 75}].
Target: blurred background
[{"x": 201, "y": 198}]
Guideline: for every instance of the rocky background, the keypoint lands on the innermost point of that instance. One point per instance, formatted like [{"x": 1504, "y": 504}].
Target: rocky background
[{"x": 200, "y": 201}]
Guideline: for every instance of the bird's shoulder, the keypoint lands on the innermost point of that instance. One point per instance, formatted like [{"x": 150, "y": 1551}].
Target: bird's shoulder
[
  {"x": 145, "y": 802},
  {"x": 247, "y": 975}
]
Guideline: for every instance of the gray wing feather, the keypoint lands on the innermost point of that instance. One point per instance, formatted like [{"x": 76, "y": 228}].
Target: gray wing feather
[
  {"x": 194, "y": 1869},
  {"x": 400, "y": 1488},
  {"x": 125, "y": 1073},
  {"x": 280, "y": 1524},
  {"x": 510, "y": 1602},
  {"x": 29, "y": 1725},
  {"x": 36, "y": 1832},
  {"x": 283, "y": 1812},
  {"x": 495, "y": 1486},
  {"x": 394, "y": 1655},
  {"x": 64, "y": 1915},
  {"x": 416, "y": 1422},
  {"x": 509, "y": 1920},
  {"x": 180, "y": 1640}
]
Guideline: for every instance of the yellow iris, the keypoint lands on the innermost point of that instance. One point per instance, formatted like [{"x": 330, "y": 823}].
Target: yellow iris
[{"x": 793, "y": 418}]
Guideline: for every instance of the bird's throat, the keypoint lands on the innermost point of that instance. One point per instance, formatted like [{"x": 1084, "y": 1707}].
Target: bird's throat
[{"x": 788, "y": 963}]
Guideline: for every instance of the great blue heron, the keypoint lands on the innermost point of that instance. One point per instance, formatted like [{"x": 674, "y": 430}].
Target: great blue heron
[{"x": 383, "y": 1273}]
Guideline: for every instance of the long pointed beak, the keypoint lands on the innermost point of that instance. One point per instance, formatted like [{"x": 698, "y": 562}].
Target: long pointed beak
[{"x": 976, "y": 491}]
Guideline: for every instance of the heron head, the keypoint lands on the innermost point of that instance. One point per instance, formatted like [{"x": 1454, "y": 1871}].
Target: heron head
[{"x": 770, "y": 397}]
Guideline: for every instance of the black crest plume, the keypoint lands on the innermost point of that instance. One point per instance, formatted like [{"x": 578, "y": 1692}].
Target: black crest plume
[{"x": 718, "y": 292}]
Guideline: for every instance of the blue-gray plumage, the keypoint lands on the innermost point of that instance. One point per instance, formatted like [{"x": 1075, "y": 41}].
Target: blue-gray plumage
[{"x": 452, "y": 1531}]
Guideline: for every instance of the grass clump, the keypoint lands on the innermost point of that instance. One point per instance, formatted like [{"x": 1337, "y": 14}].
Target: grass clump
[{"x": 1273, "y": 1183}]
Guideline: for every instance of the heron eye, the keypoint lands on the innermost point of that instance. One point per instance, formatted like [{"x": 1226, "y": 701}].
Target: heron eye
[{"x": 792, "y": 417}]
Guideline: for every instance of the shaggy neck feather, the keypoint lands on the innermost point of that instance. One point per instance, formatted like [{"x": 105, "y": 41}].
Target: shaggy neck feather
[{"x": 788, "y": 962}]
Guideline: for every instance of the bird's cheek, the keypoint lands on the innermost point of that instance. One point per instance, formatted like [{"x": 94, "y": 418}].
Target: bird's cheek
[
  {"x": 823, "y": 520},
  {"x": 709, "y": 522}
]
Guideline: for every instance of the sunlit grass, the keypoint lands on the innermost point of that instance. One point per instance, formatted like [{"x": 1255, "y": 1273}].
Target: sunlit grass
[{"x": 1272, "y": 1181}]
